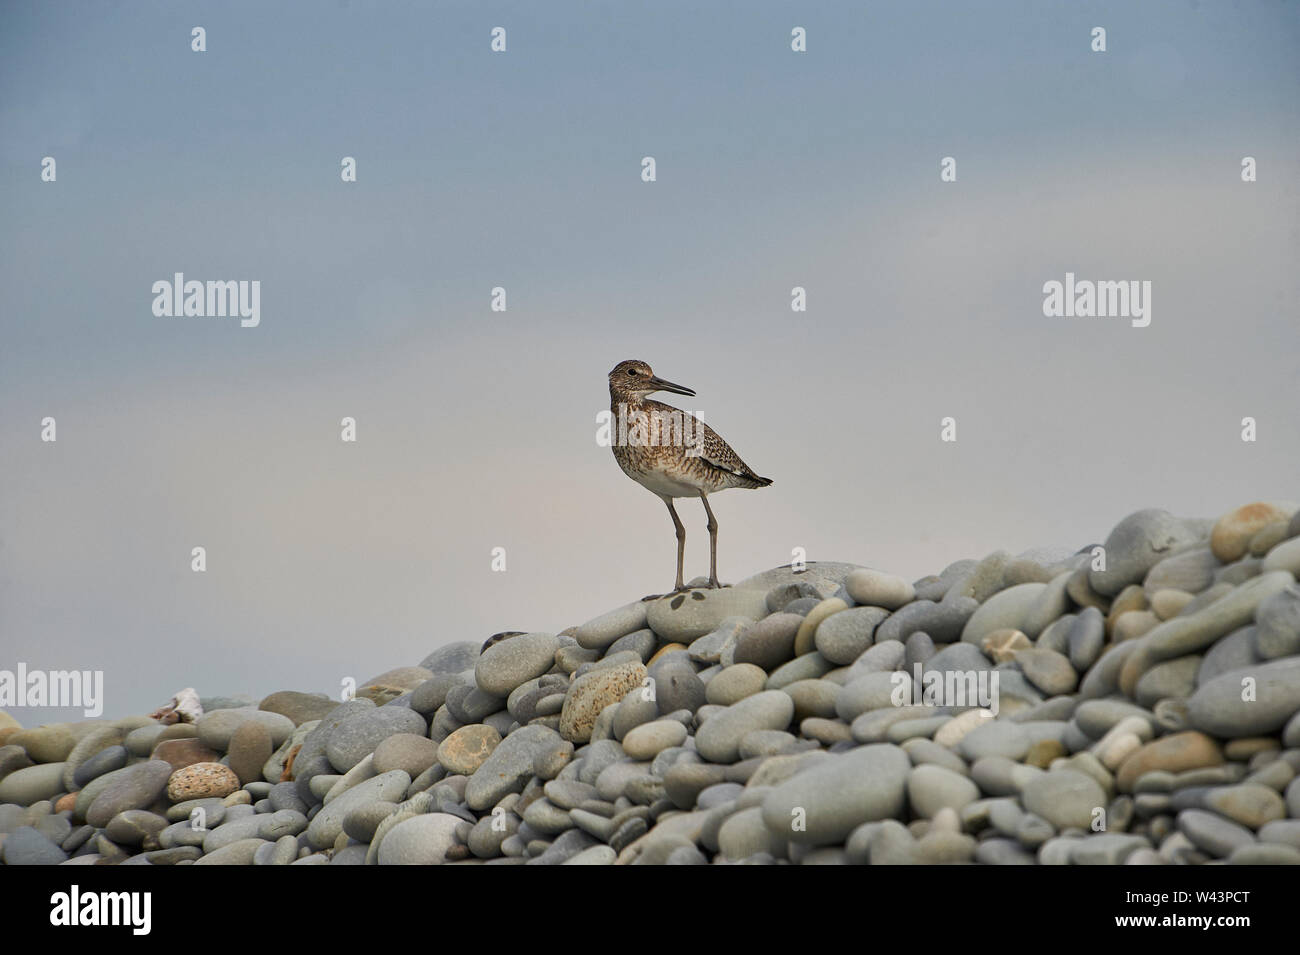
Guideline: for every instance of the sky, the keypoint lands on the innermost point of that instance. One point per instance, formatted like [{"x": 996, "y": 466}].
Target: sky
[{"x": 522, "y": 169}]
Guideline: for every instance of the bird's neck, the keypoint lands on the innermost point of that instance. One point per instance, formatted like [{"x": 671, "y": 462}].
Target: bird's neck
[{"x": 632, "y": 402}]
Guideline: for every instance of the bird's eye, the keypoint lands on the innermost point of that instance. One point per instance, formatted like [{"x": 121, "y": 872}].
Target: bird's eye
[{"x": 631, "y": 371}]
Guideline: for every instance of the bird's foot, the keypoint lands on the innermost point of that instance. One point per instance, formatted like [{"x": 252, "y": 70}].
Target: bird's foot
[
  {"x": 675, "y": 590},
  {"x": 714, "y": 584}
]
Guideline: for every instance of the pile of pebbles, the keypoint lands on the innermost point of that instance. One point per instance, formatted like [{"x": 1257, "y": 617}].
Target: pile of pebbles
[{"x": 1147, "y": 711}]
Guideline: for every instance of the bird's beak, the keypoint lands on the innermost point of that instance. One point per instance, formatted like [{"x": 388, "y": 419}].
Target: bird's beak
[{"x": 661, "y": 385}]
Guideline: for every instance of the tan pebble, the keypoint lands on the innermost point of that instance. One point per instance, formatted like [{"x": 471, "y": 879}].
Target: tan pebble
[{"x": 1001, "y": 645}]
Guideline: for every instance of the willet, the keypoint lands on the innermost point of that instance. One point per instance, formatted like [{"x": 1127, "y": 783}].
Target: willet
[{"x": 672, "y": 453}]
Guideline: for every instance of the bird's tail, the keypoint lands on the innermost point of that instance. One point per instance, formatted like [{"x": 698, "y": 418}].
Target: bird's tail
[{"x": 754, "y": 481}]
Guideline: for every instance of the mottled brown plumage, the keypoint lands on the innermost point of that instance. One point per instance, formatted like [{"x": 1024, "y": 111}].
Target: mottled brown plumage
[{"x": 671, "y": 452}]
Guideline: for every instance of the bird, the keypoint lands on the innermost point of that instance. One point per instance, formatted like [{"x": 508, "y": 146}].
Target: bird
[{"x": 672, "y": 453}]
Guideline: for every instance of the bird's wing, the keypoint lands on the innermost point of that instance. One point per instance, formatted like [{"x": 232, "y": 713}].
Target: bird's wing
[{"x": 719, "y": 454}]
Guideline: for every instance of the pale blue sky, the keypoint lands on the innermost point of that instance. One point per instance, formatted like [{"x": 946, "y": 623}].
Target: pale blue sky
[{"x": 522, "y": 170}]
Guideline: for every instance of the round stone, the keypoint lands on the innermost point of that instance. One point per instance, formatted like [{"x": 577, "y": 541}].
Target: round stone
[
  {"x": 874, "y": 588},
  {"x": 769, "y": 642},
  {"x": 201, "y": 781},
  {"x": 609, "y": 627},
  {"x": 592, "y": 692},
  {"x": 512, "y": 662},
  {"x": 421, "y": 840},
  {"x": 453, "y": 658},
  {"x": 684, "y": 617},
  {"x": 1137, "y": 544},
  {"x": 250, "y": 748},
  {"x": 215, "y": 729},
  {"x": 648, "y": 740},
  {"x": 135, "y": 787},
  {"x": 718, "y": 738},
  {"x": 298, "y": 707},
  {"x": 32, "y": 784},
  {"x": 1007, "y": 609},
  {"x": 1048, "y": 670},
  {"x": 465, "y": 750},
  {"x": 1065, "y": 798},
  {"x": 845, "y": 636},
  {"x": 1232, "y": 532},
  {"x": 734, "y": 683},
  {"x": 357, "y": 735},
  {"x": 1218, "y": 708},
  {"x": 931, "y": 788},
  {"x": 409, "y": 752},
  {"x": 510, "y": 766},
  {"x": 1175, "y": 753},
  {"x": 822, "y": 804}
]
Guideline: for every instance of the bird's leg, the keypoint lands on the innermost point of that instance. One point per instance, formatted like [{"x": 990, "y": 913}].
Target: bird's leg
[
  {"x": 713, "y": 542},
  {"x": 681, "y": 543},
  {"x": 681, "y": 552}
]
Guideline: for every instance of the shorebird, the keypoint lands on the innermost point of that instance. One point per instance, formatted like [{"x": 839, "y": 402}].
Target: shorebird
[{"x": 672, "y": 453}]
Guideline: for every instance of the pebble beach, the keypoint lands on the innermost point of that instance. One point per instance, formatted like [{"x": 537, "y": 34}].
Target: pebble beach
[{"x": 1130, "y": 701}]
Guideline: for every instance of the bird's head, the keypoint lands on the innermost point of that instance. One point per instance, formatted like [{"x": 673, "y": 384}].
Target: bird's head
[{"x": 633, "y": 380}]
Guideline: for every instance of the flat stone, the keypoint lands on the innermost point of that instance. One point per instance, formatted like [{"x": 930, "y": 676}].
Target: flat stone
[
  {"x": 1007, "y": 609},
  {"x": 1277, "y": 623},
  {"x": 356, "y": 737},
  {"x": 843, "y": 637},
  {"x": 250, "y": 748},
  {"x": 769, "y": 642},
  {"x": 455, "y": 657},
  {"x": 1065, "y": 798},
  {"x": 298, "y": 707},
  {"x": 105, "y": 761},
  {"x": 685, "y": 616},
  {"x": 1190, "y": 571},
  {"x": 27, "y": 846},
  {"x": 838, "y": 794},
  {"x": 240, "y": 852},
  {"x": 135, "y": 787},
  {"x": 32, "y": 784},
  {"x": 1191, "y": 633},
  {"x": 1285, "y": 556},
  {"x": 1047, "y": 670},
  {"x": 506, "y": 665},
  {"x": 943, "y": 621},
  {"x": 874, "y": 588},
  {"x": 326, "y": 826},
  {"x": 1138, "y": 543},
  {"x": 1177, "y": 752},
  {"x": 215, "y": 729},
  {"x": 1212, "y": 833},
  {"x": 391, "y": 684},
  {"x": 1249, "y": 804},
  {"x": 509, "y": 766},
  {"x": 421, "y": 840},
  {"x": 648, "y": 740},
  {"x": 1217, "y": 706},
  {"x": 600, "y": 632},
  {"x": 931, "y": 788},
  {"x": 409, "y": 752},
  {"x": 718, "y": 738},
  {"x": 732, "y": 684}
]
